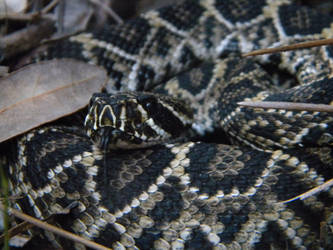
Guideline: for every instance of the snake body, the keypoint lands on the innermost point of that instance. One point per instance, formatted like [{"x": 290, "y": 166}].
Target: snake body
[{"x": 188, "y": 194}]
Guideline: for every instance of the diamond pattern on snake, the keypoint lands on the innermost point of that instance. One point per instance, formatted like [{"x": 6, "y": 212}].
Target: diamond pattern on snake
[{"x": 167, "y": 159}]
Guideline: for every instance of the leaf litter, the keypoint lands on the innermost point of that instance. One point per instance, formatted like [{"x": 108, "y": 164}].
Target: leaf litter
[{"x": 45, "y": 91}]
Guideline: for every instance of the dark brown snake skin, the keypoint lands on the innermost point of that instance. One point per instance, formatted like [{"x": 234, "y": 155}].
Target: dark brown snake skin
[{"x": 191, "y": 194}]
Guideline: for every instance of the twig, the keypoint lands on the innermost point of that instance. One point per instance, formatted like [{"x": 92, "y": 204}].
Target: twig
[
  {"x": 108, "y": 10},
  {"x": 312, "y": 191},
  {"x": 50, "y": 6},
  {"x": 25, "y": 39},
  {"x": 16, "y": 230},
  {"x": 61, "y": 14},
  {"x": 20, "y": 16},
  {"x": 303, "y": 45},
  {"x": 5, "y": 29},
  {"x": 54, "y": 229},
  {"x": 288, "y": 106}
]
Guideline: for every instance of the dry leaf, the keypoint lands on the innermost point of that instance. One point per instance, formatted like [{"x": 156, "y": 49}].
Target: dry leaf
[
  {"x": 43, "y": 92},
  {"x": 13, "y": 6},
  {"x": 77, "y": 14}
]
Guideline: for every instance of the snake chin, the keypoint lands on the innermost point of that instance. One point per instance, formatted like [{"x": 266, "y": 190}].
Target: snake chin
[{"x": 109, "y": 138}]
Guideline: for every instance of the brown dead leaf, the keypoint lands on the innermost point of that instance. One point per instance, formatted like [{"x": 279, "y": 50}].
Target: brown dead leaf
[
  {"x": 73, "y": 16},
  {"x": 43, "y": 92},
  {"x": 13, "y": 6}
]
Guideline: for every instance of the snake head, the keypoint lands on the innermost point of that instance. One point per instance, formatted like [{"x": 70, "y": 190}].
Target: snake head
[{"x": 132, "y": 120}]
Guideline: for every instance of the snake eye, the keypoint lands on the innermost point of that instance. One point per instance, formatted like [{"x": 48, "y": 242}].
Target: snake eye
[{"x": 147, "y": 101}]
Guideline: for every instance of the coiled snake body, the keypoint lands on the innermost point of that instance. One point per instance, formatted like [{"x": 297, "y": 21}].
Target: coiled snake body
[{"x": 168, "y": 189}]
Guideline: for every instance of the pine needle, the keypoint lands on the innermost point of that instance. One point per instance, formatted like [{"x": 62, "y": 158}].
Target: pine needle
[
  {"x": 54, "y": 229},
  {"x": 295, "y": 46},
  {"x": 288, "y": 106},
  {"x": 312, "y": 191}
]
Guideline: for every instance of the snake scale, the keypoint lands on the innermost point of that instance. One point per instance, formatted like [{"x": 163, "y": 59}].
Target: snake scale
[{"x": 185, "y": 192}]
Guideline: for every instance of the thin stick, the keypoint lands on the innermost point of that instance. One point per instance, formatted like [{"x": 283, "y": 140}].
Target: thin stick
[
  {"x": 50, "y": 6},
  {"x": 303, "y": 45},
  {"x": 20, "y": 16},
  {"x": 54, "y": 229},
  {"x": 23, "y": 226},
  {"x": 26, "y": 38},
  {"x": 61, "y": 14},
  {"x": 312, "y": 191},
  {"x": 108, "y": 10},
  {"x": 289, "y": 106}
]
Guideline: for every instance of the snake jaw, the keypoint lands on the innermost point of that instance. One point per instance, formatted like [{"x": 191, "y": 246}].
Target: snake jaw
[
  {"x": 110, "y": 138},
  {"x": 135, "y": 120}
]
